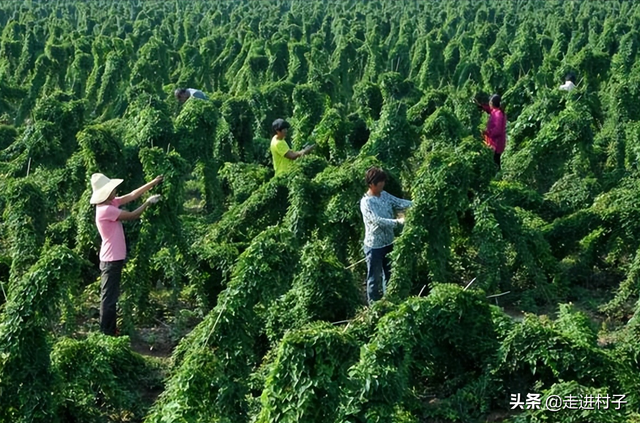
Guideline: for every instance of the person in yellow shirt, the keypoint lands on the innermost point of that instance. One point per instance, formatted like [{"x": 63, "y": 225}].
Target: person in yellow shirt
[{"x": 283, "y": 156}]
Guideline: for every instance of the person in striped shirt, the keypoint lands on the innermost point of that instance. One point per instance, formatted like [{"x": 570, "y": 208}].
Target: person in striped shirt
[
  {"x": 378, "y": 208},
  {"x": 184, "y": 94}
]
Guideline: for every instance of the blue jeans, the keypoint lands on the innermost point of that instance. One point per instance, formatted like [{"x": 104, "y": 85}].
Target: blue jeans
[{"x": 378, "y": 271}]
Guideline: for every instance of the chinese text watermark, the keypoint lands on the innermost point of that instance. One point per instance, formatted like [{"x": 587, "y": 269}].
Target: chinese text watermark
[{"x": 570, "y": 402}]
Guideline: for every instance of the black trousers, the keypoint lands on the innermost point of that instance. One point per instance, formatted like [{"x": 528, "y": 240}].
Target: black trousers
[
  {"x": 111, "y": 274},
  {"x": 496, "y": 159}
]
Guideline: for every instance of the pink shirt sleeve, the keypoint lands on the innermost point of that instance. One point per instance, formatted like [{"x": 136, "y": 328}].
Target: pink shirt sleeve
[{"x": 110, "y": 213}]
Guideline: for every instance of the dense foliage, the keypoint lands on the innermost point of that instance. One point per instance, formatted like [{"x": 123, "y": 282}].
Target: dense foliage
[{"x": 270, "y": 267}]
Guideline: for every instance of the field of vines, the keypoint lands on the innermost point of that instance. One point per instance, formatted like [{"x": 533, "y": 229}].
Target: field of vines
[{"x": 506, "y": 285}]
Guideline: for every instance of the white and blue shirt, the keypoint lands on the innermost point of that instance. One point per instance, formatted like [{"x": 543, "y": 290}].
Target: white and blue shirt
[
  {"x": 379, "y": 218},
  {"x": 196, "y": 94}
]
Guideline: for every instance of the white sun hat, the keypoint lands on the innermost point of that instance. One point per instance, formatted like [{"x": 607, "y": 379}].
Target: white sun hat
[{"x": 102, "y": 187}]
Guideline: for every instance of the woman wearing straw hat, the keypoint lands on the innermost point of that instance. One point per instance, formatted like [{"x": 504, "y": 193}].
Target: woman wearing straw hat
[{"x": 113, "y": 251}]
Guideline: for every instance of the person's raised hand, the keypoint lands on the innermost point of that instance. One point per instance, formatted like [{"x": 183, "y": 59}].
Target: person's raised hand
[
  {"x": 158, "y": 180},
  {"x": 154, "y": 199},
  {"x": 400, "y": 220},
  {"x": 308, "y": 148}
]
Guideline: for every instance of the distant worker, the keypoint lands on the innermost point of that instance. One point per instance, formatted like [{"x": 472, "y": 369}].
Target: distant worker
[
  {"x": 184, "y": 94},
  {"x": 113, "y": 250},
  {"x": 495, "y": 136},
  {"x": 283, "y": 156},
  {"x": 378, "y": 207},
  {"x": 569, "y": 82}
]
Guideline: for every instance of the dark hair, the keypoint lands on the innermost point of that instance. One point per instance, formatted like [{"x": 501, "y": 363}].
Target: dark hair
[
  {"x": 180, "y": 91},
  {"x": 570, "y": 77},
  {"x": 374, "y": 176},
  {"x": 279, "y": 125},
  {"x": 494, "y": 101}
]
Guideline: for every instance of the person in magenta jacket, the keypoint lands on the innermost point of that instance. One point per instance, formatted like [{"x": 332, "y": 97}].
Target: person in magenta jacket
[{"x": 495, "y": 136}]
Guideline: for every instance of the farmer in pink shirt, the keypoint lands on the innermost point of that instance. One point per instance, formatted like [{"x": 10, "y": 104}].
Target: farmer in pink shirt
[
  {"x": 113, "y": 251},
  {"x": 495, "y": 136}
]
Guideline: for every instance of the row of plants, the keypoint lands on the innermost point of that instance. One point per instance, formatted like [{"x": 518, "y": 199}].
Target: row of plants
[{"x": 271, "y": 265}]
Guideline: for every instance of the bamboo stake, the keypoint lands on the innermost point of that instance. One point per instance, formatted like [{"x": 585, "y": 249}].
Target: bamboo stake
[
  {"x": 420, "y": 294},
  {"x": 217, "y": 319},
  {"x": 499, "y": 295},
  {"x": 354, "y": 264},
  {"x": 469, "y": 284}
]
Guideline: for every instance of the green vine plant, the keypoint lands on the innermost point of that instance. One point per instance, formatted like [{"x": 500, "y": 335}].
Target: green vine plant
[{"x": 25, "y": 328}]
